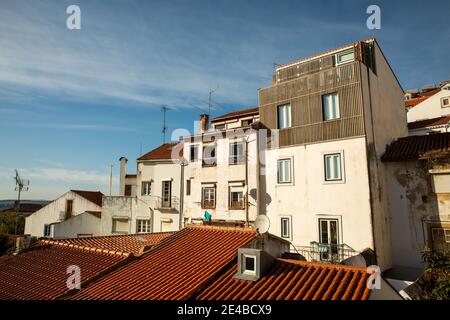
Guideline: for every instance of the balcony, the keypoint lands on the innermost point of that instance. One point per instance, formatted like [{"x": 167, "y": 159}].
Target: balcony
[
  {"x": 171, "y": 205},
  {"x": 324, "y": 252}
]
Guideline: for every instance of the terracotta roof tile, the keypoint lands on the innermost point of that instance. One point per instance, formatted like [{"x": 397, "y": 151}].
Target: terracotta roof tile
[
  {"x": 236, "y": 114},
  {"x": 292, "y": 280},
  {"x": 163, "y": 152},
  {"x": 93, "y": 196},
  {"x": 415, "y": 147},
  {"x": 130, "y": 243},
  {"x": 175, "y": 268},
  {"x": 41, "y": 273},
  {"x": 420, "y": 97},
  {"x": 429, "y": 122}
]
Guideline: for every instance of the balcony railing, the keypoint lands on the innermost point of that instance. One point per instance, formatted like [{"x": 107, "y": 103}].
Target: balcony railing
[
  {"x": 158, "y": 203},
  {"x": 325, "y": 252}
]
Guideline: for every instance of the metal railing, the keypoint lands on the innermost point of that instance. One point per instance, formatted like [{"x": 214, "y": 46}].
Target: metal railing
[
  {"x": 160, "y": 204},
  {"x": 325, "y": 252}
]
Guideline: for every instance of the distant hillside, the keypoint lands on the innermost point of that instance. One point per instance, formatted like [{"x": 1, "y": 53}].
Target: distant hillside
[{"x": 5, "y": 204}]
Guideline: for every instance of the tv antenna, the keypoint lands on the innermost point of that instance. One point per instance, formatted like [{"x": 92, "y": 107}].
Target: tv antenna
[
  {"x": 164, "y": 109},
  {"x": 216, "y": 87},
  {"x": 21, "y": 185}
]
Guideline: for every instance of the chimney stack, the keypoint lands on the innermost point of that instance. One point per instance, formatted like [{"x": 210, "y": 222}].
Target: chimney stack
[
  {"x": 123, "y": 167},
  {"x": 204, "y": 123}
]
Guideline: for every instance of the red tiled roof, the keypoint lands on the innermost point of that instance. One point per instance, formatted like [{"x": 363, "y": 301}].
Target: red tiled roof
[
  {"x": 236, "y": 114},
  {"x": 415, "y": 147},
  {"x": 176, "y": 268},
  {"x": 163, "y": 152},
  {"x": 293, "y": 280},
  {"x": 130, "y": 243},
  {"x": 429, "y": 122},
  {"x": 93, "y": 196},
  {"x": 422, "y": 96},
  {"x": 41, "y": 273}
]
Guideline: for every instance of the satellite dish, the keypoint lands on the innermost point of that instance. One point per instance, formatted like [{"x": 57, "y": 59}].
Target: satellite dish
[{"x": 262, "y": 223}]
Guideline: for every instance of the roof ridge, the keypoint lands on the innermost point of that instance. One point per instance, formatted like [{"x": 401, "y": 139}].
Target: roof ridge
[
  {"x": 225, "y": 228},
  {"x": 323, "y": 265},
  {"x": 93, "y": 249}
]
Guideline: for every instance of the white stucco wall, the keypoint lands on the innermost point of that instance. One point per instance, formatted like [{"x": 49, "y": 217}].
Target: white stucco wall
[
  {"x": 51, "y": 213},
  {"x": 222, "y": 174},
  {"x": 157, "y": 172},
  {"x": 431, "y": 107},
  {"x": 310, "y": 197},
  {"x": 118, "y": 207},
  {"x": 84, "y": 224}
]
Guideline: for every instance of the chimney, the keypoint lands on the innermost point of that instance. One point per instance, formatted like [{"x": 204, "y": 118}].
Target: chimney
[
  {"x": 204, "y": 123},
  {"x": 123, "y": 166}
]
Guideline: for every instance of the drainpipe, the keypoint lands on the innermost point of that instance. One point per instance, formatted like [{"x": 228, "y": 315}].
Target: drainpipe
[
  {"x": 181, "y": 194},
  {"x": 246, "y": 183}
]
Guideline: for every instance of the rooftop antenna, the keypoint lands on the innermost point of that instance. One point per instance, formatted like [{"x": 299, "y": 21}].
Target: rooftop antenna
[
  {"x": 164, "y": 109},
  {"x": 216, "y": 87},
  {"x": 21, "y": 185}
]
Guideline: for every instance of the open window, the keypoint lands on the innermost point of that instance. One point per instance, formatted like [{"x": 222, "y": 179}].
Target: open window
[{"x": 236, "y": 196}]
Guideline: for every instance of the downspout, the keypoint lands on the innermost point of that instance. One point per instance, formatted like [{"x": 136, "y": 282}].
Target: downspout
[
  {"x": 246, "y": 183},
  {"x": 181, "y": 194}
]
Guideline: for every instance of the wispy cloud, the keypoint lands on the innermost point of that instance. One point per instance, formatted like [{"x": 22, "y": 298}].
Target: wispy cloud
[{"x": 72, "y": 126}]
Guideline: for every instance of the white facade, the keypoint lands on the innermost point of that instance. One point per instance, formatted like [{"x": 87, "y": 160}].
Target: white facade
[
  {"x": 227, "y": 188},
  {"x": 55, "y": 211},
  {"x": 163, "y": 200},
  {"x": 436, "y": 106},
  {"x": 309, "y": 198},
  {"x": 82, "y": 225}
]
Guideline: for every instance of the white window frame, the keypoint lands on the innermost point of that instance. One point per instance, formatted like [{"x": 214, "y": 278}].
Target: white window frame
[
  {"x": 343, "y": 53},
  {"x": 291, "y": 175},
  {"x": 288, "y": 114},
  {"x": 234, "y": 159},
  {"x": 146, "y": 191},
  {"x": 244, "y": 264},
  {"x": 209, "y": 161},
  {"x": 235, "y": 189},
  {"x": 289, "y": 219},
  {"x": 143, "y": 226},
  {"x": 114, "y": 226},
  {"x": 342, "y": 167},
  {"x": 49, "y": 228},
  {"x": 203, "y": 197},
  {"x": 335, "y": 108}
]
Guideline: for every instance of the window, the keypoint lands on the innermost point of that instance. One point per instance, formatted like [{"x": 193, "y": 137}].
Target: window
[
  {"x": 220, "y": 126},
  {"x": 246, "y": 123},
  {"x": 188, "y": 187},
  {"x": 208, "y": 197},
  {"x": 127, "y": 190},
  {"x": 284, "y": 171},
  {"x": 209, "y": 155},
  {"x": 249, "y": 264},
  {"x": 328, "y": 238},
  {"x": 193, "y": 156},
  {"x": 47, "y": 230},
  {"x": 236, "y": 197},
  {"x": 166, "y": 194},
  {"x": 143, "y": 226},
  {"x": 69, "y": 208},
  {"x": 445, "y": 102},
  {"x": 120, "y": 225},
  {"x": 146, "y": 189},
  {"x": 284, "y": 116},
  {"x": 333, "y": 167},
  {"x": 345, "y": 56},
  {"x": 285, "y": 227},
  {"x": 440, "y": 240},
  {"x": 330, "y": 106},
  {"x": 236, "y": 153}
]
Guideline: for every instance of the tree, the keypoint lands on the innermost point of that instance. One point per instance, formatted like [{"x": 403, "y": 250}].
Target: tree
[{"x": 438, "y": 287}]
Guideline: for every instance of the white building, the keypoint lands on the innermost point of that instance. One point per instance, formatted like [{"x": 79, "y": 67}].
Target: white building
[
  {"x": 323, "y": 183},
  {"x": 430, "y": 110},
  {"x": 221, "y": 182},
  {"x": 42, "y": 223}
]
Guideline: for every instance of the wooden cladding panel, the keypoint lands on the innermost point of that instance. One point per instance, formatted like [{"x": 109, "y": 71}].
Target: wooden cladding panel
[
  {"x": 329, "y": 130},
  {"x": 305, "y": 96},
  {"x": 298, "y": 70}
]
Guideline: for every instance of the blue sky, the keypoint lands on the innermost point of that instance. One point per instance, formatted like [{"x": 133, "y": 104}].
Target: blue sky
[{"x": 73, "y": 101}]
